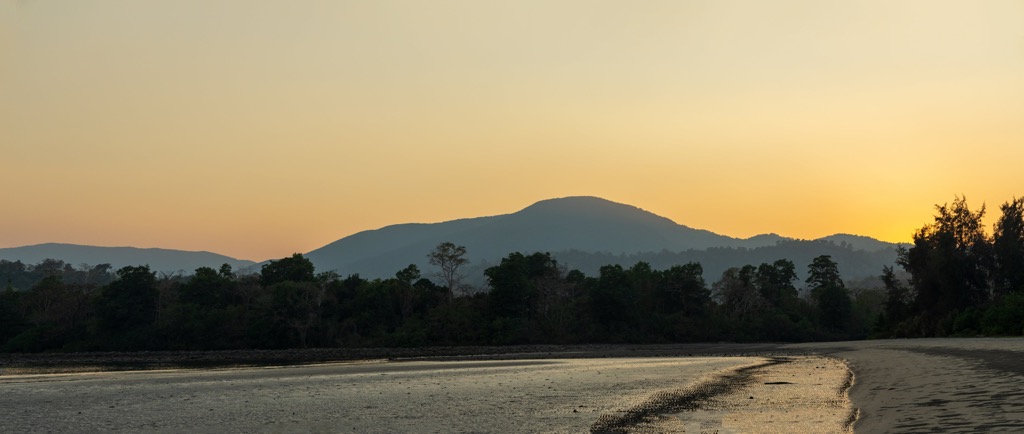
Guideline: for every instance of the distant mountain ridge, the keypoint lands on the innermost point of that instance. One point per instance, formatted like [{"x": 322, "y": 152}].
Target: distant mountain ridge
[
  {"x": 160, "y": 260},
  {"x": 581, "y": 224},
  {"x": 860, "y": 242},
  {"x": 582, "y": 232}
]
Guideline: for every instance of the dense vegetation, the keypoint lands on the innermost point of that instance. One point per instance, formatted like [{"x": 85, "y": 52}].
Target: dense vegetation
[{"x": 961, "y": 282}]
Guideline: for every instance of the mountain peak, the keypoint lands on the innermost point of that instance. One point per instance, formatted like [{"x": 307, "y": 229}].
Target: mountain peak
[
  {"x": 574, "y": 201},
  {"x": 594, "y": 207}
]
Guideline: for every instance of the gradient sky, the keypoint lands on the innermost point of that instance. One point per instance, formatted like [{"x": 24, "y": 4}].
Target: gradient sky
[{"x": 258, "y": 129}]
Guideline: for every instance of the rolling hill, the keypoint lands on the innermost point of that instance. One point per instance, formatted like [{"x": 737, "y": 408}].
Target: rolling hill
[
  {"x": 581, "y": 232},
  {"x": 160, "y": 260}
]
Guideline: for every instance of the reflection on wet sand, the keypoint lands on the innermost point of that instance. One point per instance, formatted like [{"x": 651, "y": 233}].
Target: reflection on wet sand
[
  {"x": 420, "y": 396},
  {"x": 778, "y": 394},
  {"x": 921, "y": 385}
]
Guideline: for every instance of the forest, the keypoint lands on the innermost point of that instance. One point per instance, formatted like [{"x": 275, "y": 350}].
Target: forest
[{"x": 956, "y": 280}]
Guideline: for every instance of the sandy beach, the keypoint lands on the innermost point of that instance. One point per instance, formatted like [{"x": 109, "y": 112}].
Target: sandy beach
[
  {"x": 924, "y": 385},
  {"x": 934, "y": 385},
  {"x": 776, "y": 394},
  {"x": 563, "y": 396}
]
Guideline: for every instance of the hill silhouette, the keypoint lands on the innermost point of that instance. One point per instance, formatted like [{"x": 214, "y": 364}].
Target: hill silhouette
[
  {"x": 160, "y": 260},
  {"x": 585, "y": 232},
  {"x": 581, "y": 232}
]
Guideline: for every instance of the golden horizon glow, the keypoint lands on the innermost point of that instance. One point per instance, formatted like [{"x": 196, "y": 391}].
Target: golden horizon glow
[{"x": 259, "y": 129}]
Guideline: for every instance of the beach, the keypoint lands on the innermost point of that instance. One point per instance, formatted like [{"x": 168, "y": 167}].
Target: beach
[
  {"x": 923, "y": 385},
  {"x": 363, "y": 397},
  {"x": 934, "y": 385}
]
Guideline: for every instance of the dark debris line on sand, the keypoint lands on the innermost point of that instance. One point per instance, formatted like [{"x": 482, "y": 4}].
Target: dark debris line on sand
[
  {"x": 698, "y": 396},
  {"x": 689, "y": 398},
  {"x": 844, "y": 391}
]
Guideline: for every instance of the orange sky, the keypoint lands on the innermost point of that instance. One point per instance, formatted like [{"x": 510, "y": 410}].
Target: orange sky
[{"x": 258, "y": 129}]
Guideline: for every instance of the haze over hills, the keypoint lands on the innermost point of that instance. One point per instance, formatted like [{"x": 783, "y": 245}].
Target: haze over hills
[
  {"x": 584, "y": 233},
  {"x": 586, "y": 224},
  {"x": 160, "y": 260},
  {"x": 587, "y": 230}
]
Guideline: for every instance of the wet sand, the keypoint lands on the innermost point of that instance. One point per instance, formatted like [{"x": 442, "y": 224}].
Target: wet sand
[
  {"x": 418, "y": 396},
  {"x": 791, "y": 394},
  {"x": 934, "y": 385},
  {"x": 924, "y": 385},
  {"x": 772, "y": 395}
]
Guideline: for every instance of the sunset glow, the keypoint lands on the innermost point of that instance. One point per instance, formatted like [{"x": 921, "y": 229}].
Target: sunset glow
[{"x": 258, "y": 129}]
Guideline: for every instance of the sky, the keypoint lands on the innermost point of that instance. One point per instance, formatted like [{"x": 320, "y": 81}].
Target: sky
[{"x": 258, "y": 129}]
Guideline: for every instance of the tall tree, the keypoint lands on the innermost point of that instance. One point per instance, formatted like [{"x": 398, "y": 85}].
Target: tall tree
[
  {"x": 127, "y": 307},
  {"x": 208, "y": 288},
  {"x": 449, "y": 258},
  {"x": 407, "y": 293},
  {"x": 298, "y": 306},
  {"x": 523, "y": 285},
  {"x": 1008, "y": 248},
  {"x": 292, "y": 269},
  {"x": 949, "y": 263},
  {"x": 775, "y": 282},
  {"x": 12, "y": 320},
  {"x": 683, "y": 289},
  {"x": 737, "y": 292},
  {"x": 897, "y": 297},
  {"x": 613, "y": 301},
  {"x": 823, "y": 272},
  {"x": 827, "y": 288}
]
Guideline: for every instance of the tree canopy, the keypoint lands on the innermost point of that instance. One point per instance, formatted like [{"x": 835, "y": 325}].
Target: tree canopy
[{"x": 954, "y": 280}]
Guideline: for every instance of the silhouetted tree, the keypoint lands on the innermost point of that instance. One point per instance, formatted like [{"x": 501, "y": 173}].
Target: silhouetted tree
[
  {"x": 12, "y": 322},
  {"x": 292, "y": 269},
  {"x": 775, "y": 282},
  {"x": 207, "y": 287},
  {"x": 683, "y": 305},
  {"x": 127, "y": 308},
  {"x": 298, "y": 306},
  {"x": 948, "y": 264},
  {"x": 612, "y": 300},
  {"x": 407, "y": 294},
  {"x": 449, "y": 258},
  {"x": 682, "y": 289},
  {"x": 737, "y": 294},
  {"x": 97, "y": 275},
  {"x": 1008, "y": 248},
  {"x": 822, "y": 273},
  {"x": 202, "y": 313},
  {"x": 827, "y": 288},
  {"x": 513, "y": 290},
  {"x": 57, "y": 311},
  {"x": 13, "y": 275},
  {"x": 897, "y": 297}
]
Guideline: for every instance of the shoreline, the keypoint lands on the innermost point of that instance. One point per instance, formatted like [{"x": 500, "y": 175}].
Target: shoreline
[{"x": 53, "y": 363}]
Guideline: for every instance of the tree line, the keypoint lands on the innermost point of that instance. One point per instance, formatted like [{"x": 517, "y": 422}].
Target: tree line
[
  {"x": 955, "y": 279},
  {"x": 531, "y": 299},
  {"x": 963, "y": 281}
]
